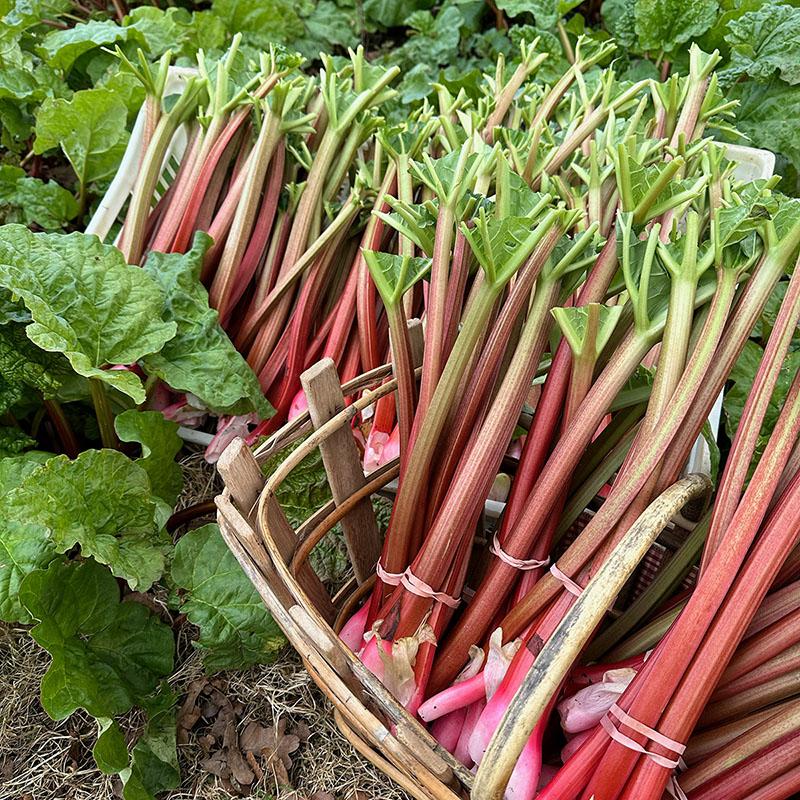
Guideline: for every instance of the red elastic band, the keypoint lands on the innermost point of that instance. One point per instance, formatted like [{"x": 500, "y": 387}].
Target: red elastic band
[{"x": 517, "y": 563}]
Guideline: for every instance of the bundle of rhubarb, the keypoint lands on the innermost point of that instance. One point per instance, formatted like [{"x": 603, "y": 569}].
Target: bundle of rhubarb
[
  {"x": 588, "y": 270},
  {"x": 272, "y": 175}
]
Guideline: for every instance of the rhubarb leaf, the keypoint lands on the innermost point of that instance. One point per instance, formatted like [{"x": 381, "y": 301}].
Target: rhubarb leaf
[
  {"x": 546, "y": 12},
  {"x": 22, "y": 550},
  {"x": 31, "y": 201},
  {"x": 200, "y": 359},
  {"x": 666, "y": 25},
  {"x": 23, "y": 367},
  {"x": 106, "y": 655},
  {"x": 160, "y": 444},
  {"x": 395, "y": 275},
  {"x": 767, "y": 114},
  {"x": 62, "y": 47},
  {"x": 110, "y": 752},
  {"x": 154, "y": 760},
  {"x": 588, "y": 328},
  {"x": 236, "y": 630},
  {"x": 89, "y": 129},
  {"x": 14, "y": 441},
  {"x": 764, "y": 42},
  {"x": 86, "y": 302},
  {"x": 305, "y": 489},
  {"x": 101, "y": 501}
]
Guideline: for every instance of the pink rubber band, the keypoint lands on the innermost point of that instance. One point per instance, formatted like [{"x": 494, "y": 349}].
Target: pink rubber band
[
  {"x": 414, "y": 585},
  {"x": 418, "y": 587},
  {"x": 389, "y": 578},
  {"x": 569, "y": 584},
  {"x": 670, "y": 744},
  {"x": 517, "y": 563},
  {"x": 659, "y": 738}
]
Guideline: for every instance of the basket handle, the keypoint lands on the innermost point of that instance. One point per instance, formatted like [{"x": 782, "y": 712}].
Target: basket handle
[
  {"x": 343, "y": 467},
  {"x": 569, "y": 638}
]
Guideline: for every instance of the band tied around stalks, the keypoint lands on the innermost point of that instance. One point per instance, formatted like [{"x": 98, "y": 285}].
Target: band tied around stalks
[
  {"x": 415, "y": 585},
  {"x": 568, "y": 583},
  {"x": 673, "y": 788},
  {"x": 654, "y": 736},
  {"x": 518, "y": 563}
]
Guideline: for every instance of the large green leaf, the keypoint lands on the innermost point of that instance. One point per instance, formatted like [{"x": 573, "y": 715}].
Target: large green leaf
[
  {"x": 666, "y": 25},
  {"x": 261, "y": 22},
  {"x": 101, "y": 501},
  {"x": 62, "y": 47},
  {"x": 89, "y": 129},
  {"x": 106, "y": 655},
  {"x": 86, "y": 302},
  {"x": 764, "y": 42},
  {"x": 160, "y": 444},
  {"x": 235, "y": 628},
  {"x": 767, "y": 115},
  {"x": 32, "y": 201},
  {"x": 152, "y": 767},
  {"x": 200, "y": 359}
]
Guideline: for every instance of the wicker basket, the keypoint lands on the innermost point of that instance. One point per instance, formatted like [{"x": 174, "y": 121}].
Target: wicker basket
[{"x": 274, "y": 557}]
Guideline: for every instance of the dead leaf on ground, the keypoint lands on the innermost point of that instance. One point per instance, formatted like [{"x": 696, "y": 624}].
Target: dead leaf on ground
[{"x": 274, "y": 744}]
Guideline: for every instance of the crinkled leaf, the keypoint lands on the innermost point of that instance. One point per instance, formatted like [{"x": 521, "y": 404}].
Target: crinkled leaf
[
  {"x": 619, "y": 17},
  {"x": 176, "y": 29},
  {"x": 32, "y": 201},
  {"x": 106, "y": 655},
  {"x": 392, "y": 13},
  {"x": 764, "y": 42},
  {"x": 86, "y": 302},
  {"x": 89, "y": 129},
  {"x": 305, "y": 489},
  {"x": 160, "y": 444},
  {"x": 261, "y": 23},
  {"x": 23, "y": 367},
  {"x": 235, "y": 628},
  {"x": 326, "y": 29},
  {"x": 666, "y": 25},
  {"x": 62, "y": 47},
  {"x": 768, "y": 114},
  {"x": 13, "y": 441},
  {"x": 101, "y": 501},
  {"x": 546, "y": 12},
  {"x": 395, "y": 275},
  {"x": 200, "y": 358},
  {"x": 22, "y": 550}
]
